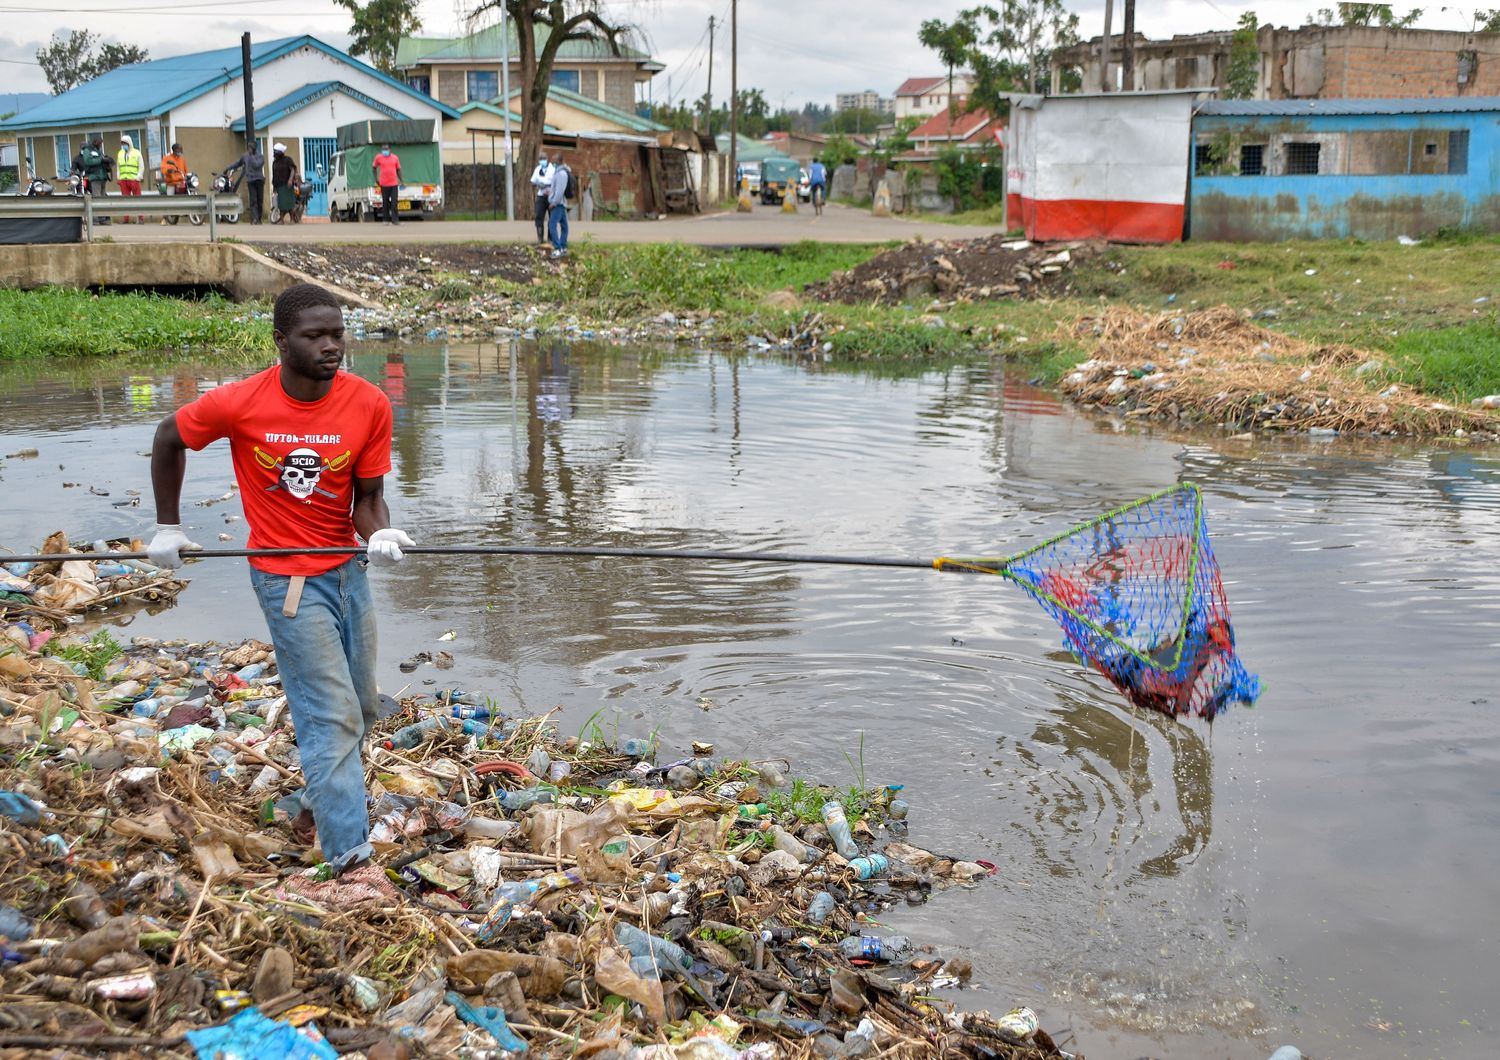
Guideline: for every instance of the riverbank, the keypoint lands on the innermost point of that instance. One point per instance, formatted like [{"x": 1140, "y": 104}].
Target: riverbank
[{"x": 1368, "y": 323}]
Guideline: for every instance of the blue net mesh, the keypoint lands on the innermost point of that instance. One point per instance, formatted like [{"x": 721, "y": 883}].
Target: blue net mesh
[{"x": 1138, "y": 596}]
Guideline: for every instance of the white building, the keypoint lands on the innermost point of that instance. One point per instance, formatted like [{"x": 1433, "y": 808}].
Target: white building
[{"x": 922, "y": 97}]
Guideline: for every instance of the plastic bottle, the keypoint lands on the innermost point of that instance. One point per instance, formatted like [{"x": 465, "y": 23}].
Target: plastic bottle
[
  {"x": 476, "y": 713},
  {"x": 525, "y": 798},
  {"x": 788, "y": 843},
  {"x": 897, "y": 810},
  {"x": 749, "y": 812},
  {"x": 668, "y": 955},
  {"x": 838, "y": 829},
  {"x": 509, "y": 897},
  {"x": 871, "y": 865},
  {"x": 406, "y": 738},
  {"x": 453, "y": 695},
  {"x": 539, "y": 762},
  {"x": 820, "y": 908},
  {"x": 876, "y": 947},
  {"x": 490, "y": 828},
  {"x": 14, "y": 924},
  {"x": 638, "y": 746}
]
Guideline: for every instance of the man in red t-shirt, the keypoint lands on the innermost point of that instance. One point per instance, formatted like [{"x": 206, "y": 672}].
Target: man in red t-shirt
[
  {"x": 387, "y": 170},
  {"x": 311, "y": 446}
]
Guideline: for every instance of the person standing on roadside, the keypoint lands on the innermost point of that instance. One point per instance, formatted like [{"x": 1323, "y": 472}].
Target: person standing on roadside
[
  {"x": 541, "y": 183},
  {"x": 129, "y": 167},
  {"x": 387, "y": 170},
  {"x": 92, "y": 165},
  {"x": 253, "y": 164},
  {"x": 311, "y": 445},
  {"x": 174, "y": 171},
  {"x": 557, "y": 201},
  {"x": 284, "y": 177}
]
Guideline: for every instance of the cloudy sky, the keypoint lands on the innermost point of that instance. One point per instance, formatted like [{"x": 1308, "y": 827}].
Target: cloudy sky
[{"x": 794, "y": 51}]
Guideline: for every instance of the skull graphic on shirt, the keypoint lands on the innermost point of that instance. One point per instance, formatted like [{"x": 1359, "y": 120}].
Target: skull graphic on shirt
[{"x": 300, "y": 470}]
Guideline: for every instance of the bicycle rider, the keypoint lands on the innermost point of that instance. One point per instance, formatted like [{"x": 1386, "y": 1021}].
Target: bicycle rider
[{"x": 817, "y": 179}]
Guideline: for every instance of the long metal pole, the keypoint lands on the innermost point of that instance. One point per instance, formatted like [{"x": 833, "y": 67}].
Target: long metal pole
[
  {"x": 734, "y": 91},
  {"x": 510, "y": 177},
  {"x": 532, "y": 550}
]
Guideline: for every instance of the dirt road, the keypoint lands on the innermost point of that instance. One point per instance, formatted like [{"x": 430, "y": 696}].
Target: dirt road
[{"x": 765, "y": 226}]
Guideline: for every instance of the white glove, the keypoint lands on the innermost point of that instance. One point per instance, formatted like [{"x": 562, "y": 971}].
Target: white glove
[
  {"x": 384, "y": 546},
  {"x": 166, "y": 544}
]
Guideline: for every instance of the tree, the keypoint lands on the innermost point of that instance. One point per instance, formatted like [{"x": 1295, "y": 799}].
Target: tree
[
  {"x": 837, "y": 151},
  {"x": 952, "y": 41},
  {"x": 1243, "y": 75},
  {"x": 541, "y": 27},
  {"x": 858, "y": 120},
  {"x": 378, "y": 28},
  {"x": 1365, "y": 15},
  {"x": 1012, "y": 47},
  {"x": 1487, "y": 21},
  {"x": 82, "y": 57}
]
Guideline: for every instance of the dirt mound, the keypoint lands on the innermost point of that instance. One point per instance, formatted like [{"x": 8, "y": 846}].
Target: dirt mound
[
  {"x": 382, "y": 271},
  {"x": 994, "y": 267},
  {"x": 1216, "y": 366}
]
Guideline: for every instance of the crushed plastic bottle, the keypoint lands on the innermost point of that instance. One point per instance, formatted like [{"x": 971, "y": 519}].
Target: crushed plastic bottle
[
  {"x": 666, "y": 954},
  {"x": 14, "y": 924},
  {"x": 638, "y": 746},
  {"x": 524, "y": 798},
  {"x": 819, "y": 909},
  {"x": 509, "y": 897},
  {"x": 838, "y": 829},
  {"x": 876, "y": 947}
]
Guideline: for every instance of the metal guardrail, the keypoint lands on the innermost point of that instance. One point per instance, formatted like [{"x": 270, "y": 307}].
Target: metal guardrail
[{"x": 89, "y": 207}]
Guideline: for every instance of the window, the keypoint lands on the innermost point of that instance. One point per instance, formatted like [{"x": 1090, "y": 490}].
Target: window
[
  {"x": 1252, "y": 160},
  {"x": 1203, "y": 160},
  {"x": 567, "y": 79},
  {"x": 484, "y": 85},
  {"x": 63, "y": 153},
  {"x": 421, "y": 84},
  {"x": 1458, "y": 151},
  {"x": 1430, "y": 150},
  {"x": 1302, "y": 158}
]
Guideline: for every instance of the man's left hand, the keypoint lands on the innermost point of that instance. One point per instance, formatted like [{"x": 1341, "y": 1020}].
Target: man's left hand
[{"x": 384, "y": 546}]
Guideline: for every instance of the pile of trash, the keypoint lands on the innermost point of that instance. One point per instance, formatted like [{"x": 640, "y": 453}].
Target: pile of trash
[
  {"x": 961, "y": 270},
  {"x": 1217, "y": 366},
  {"x": 38, "y": 599},
  {"x": 531, "y": 893}
]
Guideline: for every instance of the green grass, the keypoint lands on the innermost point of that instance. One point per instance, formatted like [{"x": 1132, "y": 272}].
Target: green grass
[
  {"x": 1458, "y": 363},
  {"x": 63, "y": 322},
  {"x": 95, "y": 653}
]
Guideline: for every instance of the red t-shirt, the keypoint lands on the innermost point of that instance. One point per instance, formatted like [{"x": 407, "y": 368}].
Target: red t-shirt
[
  {"x": 385, "y": 169},
  {"x": 295, "y": 461}
]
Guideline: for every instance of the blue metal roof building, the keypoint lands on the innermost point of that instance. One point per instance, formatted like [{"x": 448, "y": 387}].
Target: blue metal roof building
[{"x": 1373, "y": 169}]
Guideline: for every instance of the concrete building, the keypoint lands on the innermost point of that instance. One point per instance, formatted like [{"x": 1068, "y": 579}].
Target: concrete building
[
  {"x": 1309, "y": 62},
  {"x": 459, "y": 70},
  {"x": 1337, "y": 169},
  {"x": 567, "y": 112},
  {"x": 922, "y": 97},
  {"x": 804, "y": 147},
  {"x": 309, "y": 88},
  {"x": 869, "y": 99},
  {"x": 967, "y": 131}
]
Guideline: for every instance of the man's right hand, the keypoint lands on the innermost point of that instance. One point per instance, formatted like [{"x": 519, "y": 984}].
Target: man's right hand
[{"x": 167, "y": 545}]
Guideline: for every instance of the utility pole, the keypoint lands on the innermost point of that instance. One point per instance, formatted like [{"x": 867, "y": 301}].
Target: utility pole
[
  {"x": 510, "y": 154},
  {"x": 708, "y": 97},
  {"x": 1109, "y": 12},
  {"x": 249, "y": 92},
  {"x": 1127, "y": 58},
  {"x": 734, "y": 90}
]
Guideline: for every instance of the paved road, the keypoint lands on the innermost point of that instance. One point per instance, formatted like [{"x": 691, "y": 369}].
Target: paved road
[{"x": 765, "y": 226}]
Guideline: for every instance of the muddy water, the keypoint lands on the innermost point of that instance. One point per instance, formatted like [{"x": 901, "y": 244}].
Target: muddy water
[{"x": 1321, "y": 869}]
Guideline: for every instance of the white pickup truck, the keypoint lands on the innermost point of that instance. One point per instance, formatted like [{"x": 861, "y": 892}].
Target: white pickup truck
[{"x": 353, "y": 195}]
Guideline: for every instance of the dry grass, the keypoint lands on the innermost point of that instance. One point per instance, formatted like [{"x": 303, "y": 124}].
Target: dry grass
[{"x": 1216, "y": 366}]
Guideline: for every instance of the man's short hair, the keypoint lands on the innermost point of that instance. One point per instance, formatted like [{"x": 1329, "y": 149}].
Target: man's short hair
[
  {"x": 291, "y": 302},
  {"x": 177, "y": 147}
]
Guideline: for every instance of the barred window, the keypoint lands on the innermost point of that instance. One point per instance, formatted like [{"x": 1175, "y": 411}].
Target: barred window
[
  {"x": 1458, "y": 151},
  {"x": 1302, "y": 158},
  {"x": 1252, "y": 160}
]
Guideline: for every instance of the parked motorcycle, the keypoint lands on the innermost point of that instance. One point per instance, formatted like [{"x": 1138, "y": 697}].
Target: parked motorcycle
[
  {"x": 191, "y": 183},
  {"x": 36, "y": 187},
  {"x": 223, "y": 184}
]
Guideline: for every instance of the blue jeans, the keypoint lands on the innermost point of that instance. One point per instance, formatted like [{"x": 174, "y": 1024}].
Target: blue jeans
[
  {"x": 557, "y": 227},
  {"x": 326, "y": 658}
]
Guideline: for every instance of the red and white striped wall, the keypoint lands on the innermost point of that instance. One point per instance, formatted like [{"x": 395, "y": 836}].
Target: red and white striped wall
[{"x": 1100, "y": 166}]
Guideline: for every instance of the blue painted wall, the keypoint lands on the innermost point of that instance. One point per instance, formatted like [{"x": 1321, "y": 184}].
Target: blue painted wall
[{"x": 1336, "y": 205}]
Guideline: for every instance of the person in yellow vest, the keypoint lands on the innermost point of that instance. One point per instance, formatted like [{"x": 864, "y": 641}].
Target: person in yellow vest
[{"x": 129, "y": 166}]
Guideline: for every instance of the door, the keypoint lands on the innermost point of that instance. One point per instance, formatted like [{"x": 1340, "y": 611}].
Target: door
[{"x": 317, "y": 152}]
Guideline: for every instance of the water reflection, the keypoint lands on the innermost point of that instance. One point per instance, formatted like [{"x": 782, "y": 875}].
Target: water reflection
[{"x": 1151, "y": 878}]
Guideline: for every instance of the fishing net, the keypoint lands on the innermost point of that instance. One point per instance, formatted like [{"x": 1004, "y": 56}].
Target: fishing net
[{"x": 1138, "y": 596}]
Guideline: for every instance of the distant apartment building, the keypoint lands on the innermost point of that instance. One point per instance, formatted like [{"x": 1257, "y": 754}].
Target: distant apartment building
[
  {"x": 1310, "y": 62},
  {"x": 922, "y": 97},
  {"x": 869, "y": 100}
]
